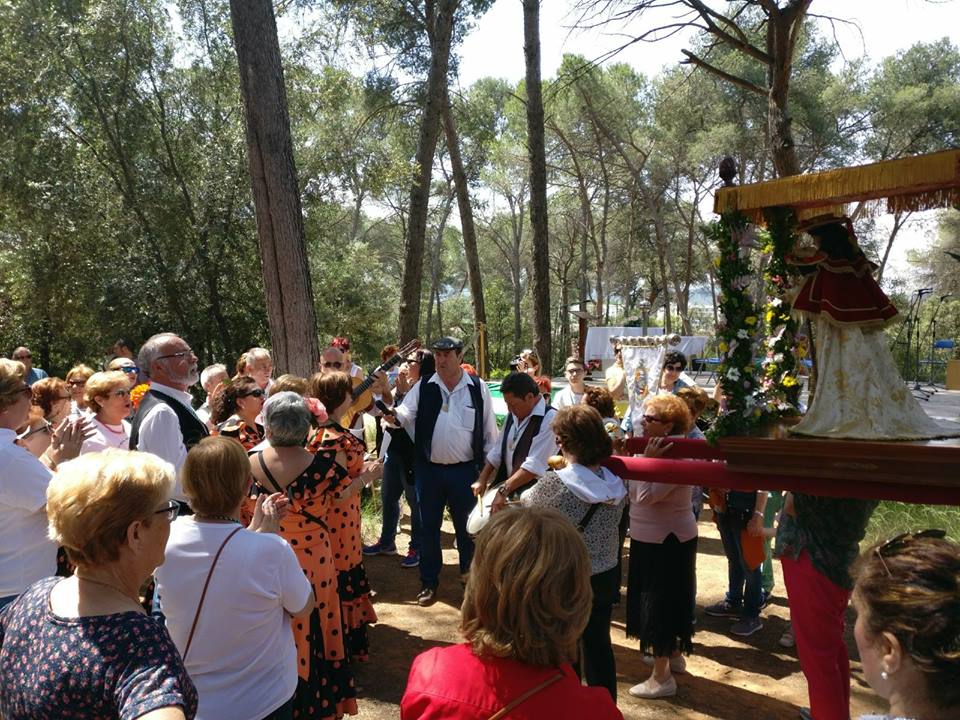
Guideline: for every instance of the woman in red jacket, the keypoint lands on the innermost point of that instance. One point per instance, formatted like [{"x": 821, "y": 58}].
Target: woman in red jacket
[{"x": 526, "y": 604}]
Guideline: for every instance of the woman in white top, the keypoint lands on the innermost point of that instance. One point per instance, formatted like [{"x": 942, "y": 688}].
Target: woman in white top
[
  {"x": 26, "y": 553},
  {"x": 107, "y": 395},
  {"x": 238, "y": 648},
  {"x": 907, "y": 598}
]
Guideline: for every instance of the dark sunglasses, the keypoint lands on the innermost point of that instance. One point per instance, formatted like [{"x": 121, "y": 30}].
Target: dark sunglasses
[
  {"x": 337, "y": 365},
  {"x": 902, "y": 539},
  {"x": 676, "y": 368},
  {"x": 172, "y": 509},
  {"x": 254, "y": 393},
  {"x": 119, "y": 393},
  {"x": 76, "y": 383},
  {"x": 652, "y": 418},
  {"x": 129, "y": 369}
]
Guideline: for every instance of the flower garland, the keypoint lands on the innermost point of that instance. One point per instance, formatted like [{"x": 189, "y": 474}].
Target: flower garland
[
  {"x": 780, "y": 384},
  {"x": 737, "y": 331}
]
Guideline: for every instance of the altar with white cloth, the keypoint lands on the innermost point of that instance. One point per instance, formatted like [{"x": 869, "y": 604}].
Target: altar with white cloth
[{"x": 598, "y": 346}]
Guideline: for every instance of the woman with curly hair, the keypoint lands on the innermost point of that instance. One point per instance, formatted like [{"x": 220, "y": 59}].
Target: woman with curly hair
[
  {"x": 907, "y": 598},
  {"x": 235, "y": 408}
]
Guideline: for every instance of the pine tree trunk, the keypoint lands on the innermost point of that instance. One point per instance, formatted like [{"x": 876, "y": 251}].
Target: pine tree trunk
[
  {"x": 412, "y": 283},
  {"x": 276, "y": 194},
  {"x": 469, "y": 238},
  {"x": 536, "y": 151}
]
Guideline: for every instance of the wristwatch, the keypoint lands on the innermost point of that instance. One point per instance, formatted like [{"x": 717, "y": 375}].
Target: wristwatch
[{"x": 502, "y": 490}]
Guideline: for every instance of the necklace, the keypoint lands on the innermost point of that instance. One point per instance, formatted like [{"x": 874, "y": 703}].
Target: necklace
[
  {"x": 225, "y": 518},
  {"x": 136, "y": 600}
]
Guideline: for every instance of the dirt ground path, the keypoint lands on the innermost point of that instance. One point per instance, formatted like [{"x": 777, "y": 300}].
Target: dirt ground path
[{"x": 728, "y": 678}]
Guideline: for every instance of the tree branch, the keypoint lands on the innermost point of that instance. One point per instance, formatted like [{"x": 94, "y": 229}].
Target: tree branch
[{"x": 746, "y": 84}]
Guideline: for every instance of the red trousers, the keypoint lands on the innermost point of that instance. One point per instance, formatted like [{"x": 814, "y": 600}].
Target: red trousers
[{"x": 817, "y": 606}]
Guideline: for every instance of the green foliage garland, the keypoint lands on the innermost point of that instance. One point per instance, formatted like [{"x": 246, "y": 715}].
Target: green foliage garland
[
  {"x": 781, "y": 388},
  {"x": 737, "y": 331}
]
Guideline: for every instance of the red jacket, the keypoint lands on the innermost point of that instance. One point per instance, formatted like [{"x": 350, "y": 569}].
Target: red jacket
[{"x": 451, "y": 682}]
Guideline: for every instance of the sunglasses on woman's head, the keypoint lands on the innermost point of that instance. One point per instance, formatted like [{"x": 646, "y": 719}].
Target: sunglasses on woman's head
[{"x": 902, "y": 539}]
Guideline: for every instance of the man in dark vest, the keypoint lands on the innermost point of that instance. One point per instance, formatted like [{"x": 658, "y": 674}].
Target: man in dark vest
[
  {"x": 519, "y": 457},
  {"x": 165, "y": 423},
  {"x": 453, "y": 427}
]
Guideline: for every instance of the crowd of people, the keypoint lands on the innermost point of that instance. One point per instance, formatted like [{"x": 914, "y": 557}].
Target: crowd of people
[{"x": 211, "y": 563}]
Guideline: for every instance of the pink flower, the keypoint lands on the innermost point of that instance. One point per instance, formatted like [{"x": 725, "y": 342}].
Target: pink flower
[{"x": 316, "y": 409}]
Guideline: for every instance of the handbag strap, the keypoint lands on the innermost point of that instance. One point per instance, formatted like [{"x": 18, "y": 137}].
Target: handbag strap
[
  {"x": 582, "y": 525},
  {"x": 203, "y": 594},
  {"x": 504, "y": 711}
]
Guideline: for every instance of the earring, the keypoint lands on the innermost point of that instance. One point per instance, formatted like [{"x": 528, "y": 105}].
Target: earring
[{"x": 884, "y": 675}]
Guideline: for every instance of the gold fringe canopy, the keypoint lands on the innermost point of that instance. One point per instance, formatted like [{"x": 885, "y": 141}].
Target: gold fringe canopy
[{"x": 921, "y": 182}]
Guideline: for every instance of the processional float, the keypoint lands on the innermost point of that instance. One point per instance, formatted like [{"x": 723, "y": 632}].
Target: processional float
[{"x": 854, "y": 441}]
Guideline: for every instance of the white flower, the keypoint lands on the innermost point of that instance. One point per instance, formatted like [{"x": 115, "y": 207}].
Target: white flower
[
  {"x": 778, "y": 358},
  {"x": 776, "y": 302},
  {"x": 733, "y": 374},
  {"x": 743, "y": 334}
]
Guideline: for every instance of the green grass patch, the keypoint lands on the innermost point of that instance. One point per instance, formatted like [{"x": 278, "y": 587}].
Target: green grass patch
[{"x": 893, "y": 518}]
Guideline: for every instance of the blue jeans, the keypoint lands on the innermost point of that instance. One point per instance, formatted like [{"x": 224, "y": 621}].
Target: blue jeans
[
  {"x": 394, "y": 484},
  {"x": 745, "y": 587},
  {"x": 440, "y": 486}
]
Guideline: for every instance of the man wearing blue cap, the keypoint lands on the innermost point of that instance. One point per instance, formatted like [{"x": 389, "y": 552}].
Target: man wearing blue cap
[{"x": 453, "y": 425}]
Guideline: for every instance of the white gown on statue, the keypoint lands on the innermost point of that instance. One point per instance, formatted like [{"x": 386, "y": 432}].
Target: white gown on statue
[{"x": 860, "y": 394}]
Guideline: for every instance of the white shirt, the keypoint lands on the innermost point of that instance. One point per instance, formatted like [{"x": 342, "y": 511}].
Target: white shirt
[
  {"x": 566, "y": 397},
  {"x": 243, "y": 658},
  {"x": 26, "y": 553},
  {"x": 105, "y": 437},
  {"x": 203, "y": 412},
  {"x": 160, "y": 432},
  {"x": 543, "y": 445},
  {"x": 453, "y": 434}
]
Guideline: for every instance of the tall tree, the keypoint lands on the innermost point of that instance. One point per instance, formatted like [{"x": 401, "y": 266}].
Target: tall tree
[
  {"x": 276, "y": 192},
  {"x": 536, "y": 153}
]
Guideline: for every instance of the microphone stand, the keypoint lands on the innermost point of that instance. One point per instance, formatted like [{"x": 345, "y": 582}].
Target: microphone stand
[
  {"x": 932, "y": 329},
  {"x": 908, "y": 325},
  {"x": 924, "y": 394}
]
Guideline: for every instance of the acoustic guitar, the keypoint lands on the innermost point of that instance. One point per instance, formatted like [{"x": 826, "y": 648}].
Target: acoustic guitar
[{"x": 362, "y": 394}]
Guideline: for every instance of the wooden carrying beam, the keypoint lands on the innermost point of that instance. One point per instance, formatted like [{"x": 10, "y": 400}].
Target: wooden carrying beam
[{"x": 920, "y": 182}]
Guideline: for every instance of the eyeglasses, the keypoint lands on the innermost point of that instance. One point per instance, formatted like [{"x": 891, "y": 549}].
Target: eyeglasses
[
  {"x": 652, "y": 419},
  {"x": 172, "y": 509},
  {"x": 674, "y": 368},
  {"x": 254, "y": 393},
  {"x": 26, "y": 390},
  {"x": 23, "y": 356},
  {"x": 119, "y": 393},
  {"x": 76, "y": 383},
  {"x": 574, "y": 371},
  {"x": 129, "y": 369},
  {"x": 902, "y": 539},
  {"x": 337, "y": 365},
  {"x": 177, "y": 355}
]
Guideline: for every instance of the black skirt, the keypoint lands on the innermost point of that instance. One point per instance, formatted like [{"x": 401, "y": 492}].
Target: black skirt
[{"x": 661, "y": 589}]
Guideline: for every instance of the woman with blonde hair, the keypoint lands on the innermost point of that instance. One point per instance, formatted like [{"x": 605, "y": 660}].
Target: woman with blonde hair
[
  {"x": 526, "y": 605},
  {"x": 220, "y": 577},
  {"x": 593, "y": 499},
  {"x": 907, "y": 598},
  {"x": 112, "y": 512},
  {"x": 108, "y": 396},
  {"x": 77, "y": 382},
  {"x": 663, "y": 554},
  {"x": 26, "y": 553}
]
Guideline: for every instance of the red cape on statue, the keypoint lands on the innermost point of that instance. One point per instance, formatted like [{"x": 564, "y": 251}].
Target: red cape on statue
[{"x": 844, "y": 292}]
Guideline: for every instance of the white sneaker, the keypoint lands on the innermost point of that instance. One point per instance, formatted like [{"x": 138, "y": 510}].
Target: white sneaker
[
  {"x": 678, "y": 664},
  {"x": 650, "y": 689}
]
